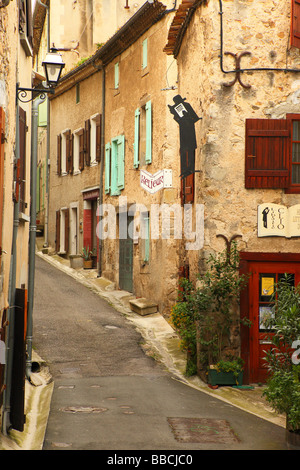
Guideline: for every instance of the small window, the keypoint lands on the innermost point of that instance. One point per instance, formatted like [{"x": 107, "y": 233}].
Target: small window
[
  {"x": 78, "y": 151},
  {"x": 145, "y": 236},
  {"x": 117, "y": 76},
  {"x": 295, "y": 177},
  {"x": 145, "y": 54},
  {"x": 143, "y": 135},
  {"x": 26, "y": 26},
  {"x": 77, "y": 93},
  {"x": 65, "y": 153}
]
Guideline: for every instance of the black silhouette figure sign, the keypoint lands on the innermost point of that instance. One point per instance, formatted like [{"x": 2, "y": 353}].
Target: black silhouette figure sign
[{"x": 186, "y": 117}]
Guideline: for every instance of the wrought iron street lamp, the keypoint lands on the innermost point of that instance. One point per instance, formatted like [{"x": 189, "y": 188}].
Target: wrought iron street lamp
[{"x": 53, "y": 65}]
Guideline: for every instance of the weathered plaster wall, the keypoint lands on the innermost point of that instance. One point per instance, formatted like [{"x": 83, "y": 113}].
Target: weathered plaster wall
[
  {"x": 261, "y": 28},
  {"x": 157, "y": 280},
  {"x": 66, "y": 114}
]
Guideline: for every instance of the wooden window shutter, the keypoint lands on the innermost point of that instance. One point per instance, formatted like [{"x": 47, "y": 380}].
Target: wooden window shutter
[
  {"x": 295, "y": 26},
  {"x": 98, "y": 138},
  {"x": 69, "y": 151},
  {"x": 82, "y": 137},
  {"x": 148, "y": 132},
  {"x": 57, "y": 238},
  {"x": 59, "y": 139},
  {"x": 136, "y": 138},
  {"x": 187, "y": 189},
  {"x": 87, "y": 142},
  {"x": 107, "y": 168},
  {"x": 22, "y": 162},
  {"x": 67, "y": 230},
  {"x": 267, "y": 158},
  {"x": 2, "y": 135}
]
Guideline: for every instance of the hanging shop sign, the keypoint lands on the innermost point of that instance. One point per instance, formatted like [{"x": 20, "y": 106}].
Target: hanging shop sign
[
  {"x": 153, "y": 183},
  {"x": 278, "y": 220}
]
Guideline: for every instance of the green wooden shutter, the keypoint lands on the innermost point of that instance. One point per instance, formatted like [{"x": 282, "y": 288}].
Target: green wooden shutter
[
  {"x": 136, "y": 138},
  {"x": 107, "y": 168},
  {"x": 121, "y": 161},
  {"x": 148, "y": 132},
  {"x": 114, "y": 168},
  {"x": 145, "y": 53}
]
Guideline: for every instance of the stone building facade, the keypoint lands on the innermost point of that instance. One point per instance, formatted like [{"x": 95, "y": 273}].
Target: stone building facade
[
  {"x": 15, "y": 173},
  {"x": 239, "y": 65}
]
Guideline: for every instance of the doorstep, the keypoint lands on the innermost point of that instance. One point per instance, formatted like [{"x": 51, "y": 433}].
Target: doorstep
[{"x": 143, "y": 306}]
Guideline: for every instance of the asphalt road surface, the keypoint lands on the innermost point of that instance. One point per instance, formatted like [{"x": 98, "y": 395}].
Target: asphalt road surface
[{"x": 109, "y": 395}]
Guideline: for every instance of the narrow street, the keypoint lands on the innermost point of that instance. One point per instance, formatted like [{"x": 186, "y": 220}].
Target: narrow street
[{"x": 108, "y": 394}]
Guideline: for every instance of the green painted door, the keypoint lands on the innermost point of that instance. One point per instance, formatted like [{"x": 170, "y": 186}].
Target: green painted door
[{"x": 126, "y": 259}]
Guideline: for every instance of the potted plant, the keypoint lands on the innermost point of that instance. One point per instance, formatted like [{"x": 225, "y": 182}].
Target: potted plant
[
  {"x": 87, "y": 257},
  {"x": 207, "y": 321},
  {"x": 283, "y": 387}
]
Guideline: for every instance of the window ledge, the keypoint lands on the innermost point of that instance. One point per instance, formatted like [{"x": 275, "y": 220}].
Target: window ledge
[
  {"x": 64, "y": 173},
  {"x": 26, "y": 45},
  {"x": 76, "y": 172},
  {"x": 94, "y": 163},
  {"x": 24, "y": 217}
]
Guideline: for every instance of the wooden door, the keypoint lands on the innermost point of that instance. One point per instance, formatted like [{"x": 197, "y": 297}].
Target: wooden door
[
  {"x": 261, "y": 287},
  {"x": 126, "y": 259}
]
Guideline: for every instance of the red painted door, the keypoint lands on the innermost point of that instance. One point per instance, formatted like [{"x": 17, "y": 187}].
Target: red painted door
[{"x": 261, "y": 287}]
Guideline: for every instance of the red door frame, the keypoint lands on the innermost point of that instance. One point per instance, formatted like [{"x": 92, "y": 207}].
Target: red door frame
[{"x": 246, "y": 333}]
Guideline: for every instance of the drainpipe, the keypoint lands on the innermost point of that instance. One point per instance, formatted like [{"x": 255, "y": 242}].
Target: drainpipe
[
  {"x": 32, "y": 228},
  {"x": 11, "y": 299},
  {"x": 102, "y": 165}
]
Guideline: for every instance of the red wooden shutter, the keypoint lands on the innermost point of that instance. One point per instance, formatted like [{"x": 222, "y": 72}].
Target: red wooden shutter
[
  {"x": 57, "y": 238},
  {"x": 187, "y": 189},
  {"x": 295, "y": 26},
  {"x": 59, "y": 154},
  {"x": 2, "y": 135},
  {"x": 267, "y": 153},
  {"x": 98, "y": 138},
  {"x": 87, "y": 142}
]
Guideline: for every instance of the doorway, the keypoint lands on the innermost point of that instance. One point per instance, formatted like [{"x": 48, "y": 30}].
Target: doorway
[
  {"x": 126, "y": 258},
  {"x": 256, "y": 303}
]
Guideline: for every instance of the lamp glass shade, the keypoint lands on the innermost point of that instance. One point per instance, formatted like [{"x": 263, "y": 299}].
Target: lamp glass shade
[{"x": 53, "y": 65}]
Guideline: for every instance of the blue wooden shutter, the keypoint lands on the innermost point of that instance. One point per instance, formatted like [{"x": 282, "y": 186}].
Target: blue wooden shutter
[
  {"x": 148, "y": 132},
  {"x": 136, "y": 138},
  {"x": 107, "y": 168},
  {"x": 121, "y": 161}
]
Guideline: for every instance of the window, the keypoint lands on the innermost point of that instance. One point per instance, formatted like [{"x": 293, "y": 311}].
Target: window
[
  {"x": 62, "y": 231},
  {"x": 145, "y": 54},
  {"x": 93, "y": 138},
  {"x": 115, "y": 166},
  {"x": 26, "y": 26},
  {"x": 295, "y": 27},
  {"x": 273, "y": 153},
  {"x": 143, "y": 135},
  {"x": 145, "y": 236},
  {"x": 65, "y": 153},
  {"x": 78, "y": 151},
  {"x": 77, "y": 93},
  {"x": 117, "y": 75}
]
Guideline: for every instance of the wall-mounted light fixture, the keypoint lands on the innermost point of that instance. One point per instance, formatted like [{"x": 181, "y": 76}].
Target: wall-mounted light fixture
[{"x": 53, "y": 65}]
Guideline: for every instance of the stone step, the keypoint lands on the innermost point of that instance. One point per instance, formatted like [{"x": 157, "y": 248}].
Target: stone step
[{"x": 143, "y": 306}]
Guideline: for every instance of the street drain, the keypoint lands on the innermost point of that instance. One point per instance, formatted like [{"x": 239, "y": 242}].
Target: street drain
[
  {"x": 83, "y": 409},
  {"x": 202, "y": 430}
]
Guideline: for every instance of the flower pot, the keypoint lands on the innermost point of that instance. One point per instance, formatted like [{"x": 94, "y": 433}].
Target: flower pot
[
  {"x": 224, "y": 378},
  {"x": 87, "y": 264},
  {"x": 292, "y": 437}
]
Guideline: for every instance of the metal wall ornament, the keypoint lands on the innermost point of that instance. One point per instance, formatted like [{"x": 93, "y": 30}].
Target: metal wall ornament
[
  {"x": 228, "y": 245},
  {"x": 237, "y": 58}
]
